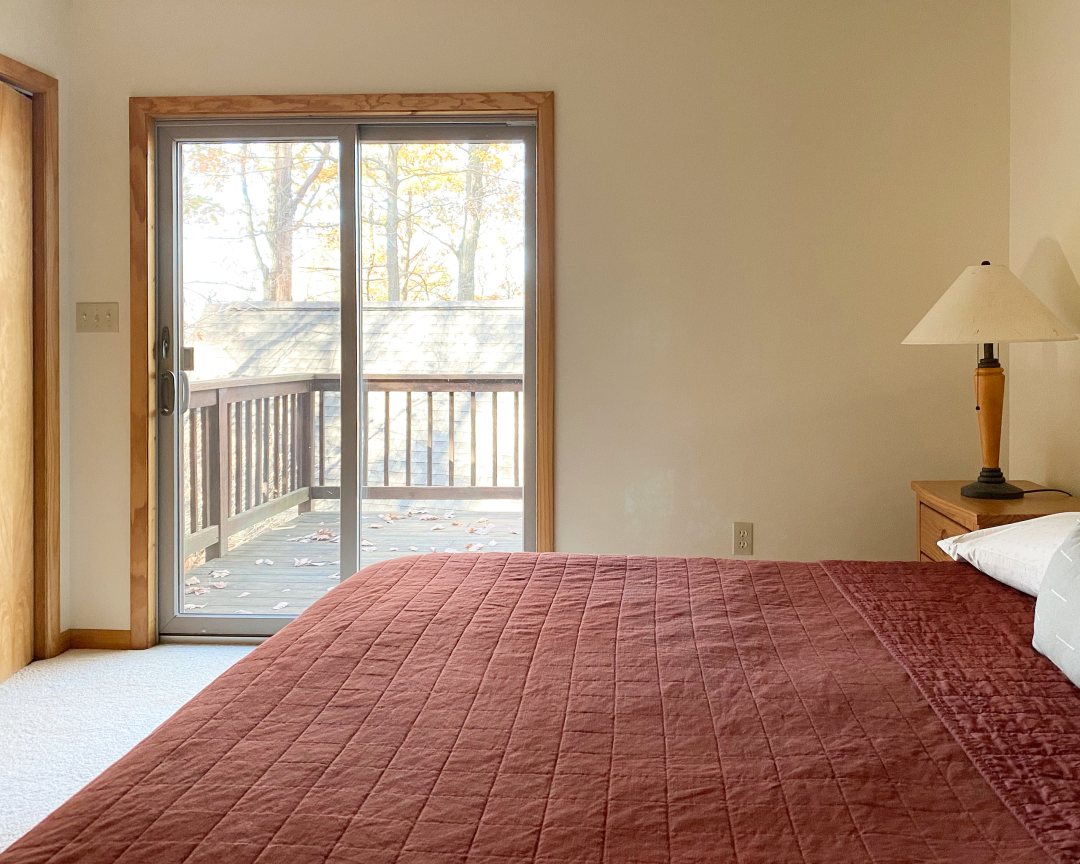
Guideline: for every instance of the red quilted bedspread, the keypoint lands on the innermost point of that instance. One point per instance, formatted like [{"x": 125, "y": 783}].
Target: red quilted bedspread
[{"x": 552, "y": 708}]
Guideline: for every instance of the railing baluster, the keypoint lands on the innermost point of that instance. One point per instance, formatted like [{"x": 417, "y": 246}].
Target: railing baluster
[
  {"x": 204, "y": 422},
  {"x": 278, "y": 489},
  {"x": 307, "y": 450},
  {"x": 408, "y": 437},
  {"x": 472, "y": 438},
  {"x": 257, "y": 479},
  {"x": 193, "y": 472},
  {"x": 290, "y": 444},
  {"x": 453, "y": 423},
  {"x": 365, "y": 441},
  {"x": 238, "y": 471},
  {"x": 322, "y": 438},
  {"x": 494, "y": 439},
  {"x": 284, "y": 445},
  {"x": 430, "y": 434},
  {"x": 517, "y": 439},
  {"x": 273, "y": 487},
  {"x": 265, "y": 449},
  {"x": 386, "y": 442},
  {"x": 218, "y": 509},
  {"x": 249, "y": 456}
]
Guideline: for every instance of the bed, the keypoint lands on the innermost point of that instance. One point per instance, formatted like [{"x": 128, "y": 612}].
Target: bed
[{"x": 562, "y": 708}]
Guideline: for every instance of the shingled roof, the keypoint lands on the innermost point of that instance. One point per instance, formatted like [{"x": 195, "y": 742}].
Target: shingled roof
[{"x": 276, "y": 338}]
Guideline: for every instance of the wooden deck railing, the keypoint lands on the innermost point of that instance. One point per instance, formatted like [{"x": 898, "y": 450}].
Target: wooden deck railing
[{"x": 255, "y": 447}]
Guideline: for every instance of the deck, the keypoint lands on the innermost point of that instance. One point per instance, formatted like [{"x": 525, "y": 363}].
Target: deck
[{"x": 286, "y": 567}]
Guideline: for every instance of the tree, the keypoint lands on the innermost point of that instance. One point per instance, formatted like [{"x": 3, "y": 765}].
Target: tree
[
  {"x": 286, "y": 197},
  {"x": 283, "y": 188},
  {"x": 439, "y": 220},
  {"x": 430, "y": 200}
]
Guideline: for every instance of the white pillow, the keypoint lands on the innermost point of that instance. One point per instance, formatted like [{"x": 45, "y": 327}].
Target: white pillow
[
  {"x": 1016, "y": 554},
  {"x": 1057, "y": 624}
]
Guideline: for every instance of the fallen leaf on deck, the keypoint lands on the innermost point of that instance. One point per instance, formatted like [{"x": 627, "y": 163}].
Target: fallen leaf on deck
[
  {"x": 198, "y": 590},
  {"x": 280, "y": 605},
  {"x": 242, "y": 612},
  {"x": 218, "y": 574},
  {"x": 192, "y": 580},
  {"x": 194, "y": 606},
  {"x": 413, "y": 548},
  {"x": 219, "y": 584},
  {"x": 366, "y": 542},
  {"x": 474, "y": 547},
  {"x": 266, "y": 561},
  {"x": 450, "y": 549},
  {"x": 393, "y": 549},
  {"x": 244, "y": 594},
  {"x": 438, "y": 527},
  {"x": 283, "y": 590}
]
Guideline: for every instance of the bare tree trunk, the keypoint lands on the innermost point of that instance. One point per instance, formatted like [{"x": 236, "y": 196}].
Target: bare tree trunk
[
  {"x": 280, "y": 224},
  {"x": 393, "y": 267},
  {"x": 470, "y": 235}
]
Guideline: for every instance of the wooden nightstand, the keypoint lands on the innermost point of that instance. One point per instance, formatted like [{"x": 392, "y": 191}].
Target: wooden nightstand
[{"x": 941, "y": 511}]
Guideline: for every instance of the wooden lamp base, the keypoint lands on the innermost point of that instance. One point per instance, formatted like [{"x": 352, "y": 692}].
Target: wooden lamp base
[{"x": 989, "y": 399}]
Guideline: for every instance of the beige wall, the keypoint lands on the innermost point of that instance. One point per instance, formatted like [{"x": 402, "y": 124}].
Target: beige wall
[
  {"x": 755, "y": 203},
  {"x": 37, "y": 33},
  {"x": 1044, "y": 246}
]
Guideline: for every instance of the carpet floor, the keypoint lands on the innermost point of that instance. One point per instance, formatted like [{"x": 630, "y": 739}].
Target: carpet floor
[{"x": 63, "y": 721}]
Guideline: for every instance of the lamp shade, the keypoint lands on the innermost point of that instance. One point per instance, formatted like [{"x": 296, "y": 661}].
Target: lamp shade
[{"x": 988, "y": 303}]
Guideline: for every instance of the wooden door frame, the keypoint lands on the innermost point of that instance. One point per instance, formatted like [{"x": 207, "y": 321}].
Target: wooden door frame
[
  {"x": 144, "y": 115},
  {"x": 43, "y": 91}
]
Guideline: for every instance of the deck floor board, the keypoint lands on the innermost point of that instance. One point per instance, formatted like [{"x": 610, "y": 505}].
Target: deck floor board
[{"x": 296, "y": 569}]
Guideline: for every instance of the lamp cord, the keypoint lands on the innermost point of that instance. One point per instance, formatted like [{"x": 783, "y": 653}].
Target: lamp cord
[{"x": 1034, "y": 491}]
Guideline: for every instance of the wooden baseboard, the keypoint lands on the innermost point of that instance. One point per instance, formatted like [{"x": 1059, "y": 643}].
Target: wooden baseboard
[{"x": 118, "y": 640}]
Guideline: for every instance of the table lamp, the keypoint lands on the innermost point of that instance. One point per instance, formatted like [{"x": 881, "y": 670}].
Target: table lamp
[{"x": 988, "y": 304}]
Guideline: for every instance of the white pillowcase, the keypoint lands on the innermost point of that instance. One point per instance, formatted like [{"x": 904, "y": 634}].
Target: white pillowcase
[{"x": 1016, "y": 554}]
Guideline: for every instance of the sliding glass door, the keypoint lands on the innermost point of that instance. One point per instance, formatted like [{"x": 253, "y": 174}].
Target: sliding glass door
[{"x": 346, "y": 357}]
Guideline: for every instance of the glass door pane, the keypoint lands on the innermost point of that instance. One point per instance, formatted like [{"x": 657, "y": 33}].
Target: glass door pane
[
  {"x": 446, "y": 290},
  {"x": 263, "y": 245}
]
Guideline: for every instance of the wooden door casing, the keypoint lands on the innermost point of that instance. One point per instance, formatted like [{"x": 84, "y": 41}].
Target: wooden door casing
[{"x": 16, "y": 382}]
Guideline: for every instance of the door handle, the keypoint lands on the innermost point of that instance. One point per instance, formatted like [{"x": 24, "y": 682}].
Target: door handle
[
  {"x": 185, "y": 393},
  {"x": 167, "y": 393}
]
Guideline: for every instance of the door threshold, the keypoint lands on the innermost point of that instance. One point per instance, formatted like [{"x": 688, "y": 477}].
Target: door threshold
[{"x": 211, "y": 640}]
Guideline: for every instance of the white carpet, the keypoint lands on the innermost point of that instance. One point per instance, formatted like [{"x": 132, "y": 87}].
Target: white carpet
[{"x": 63, "y": 721}]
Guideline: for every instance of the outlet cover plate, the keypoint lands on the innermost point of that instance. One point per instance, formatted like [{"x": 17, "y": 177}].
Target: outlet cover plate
[
  {"x": 742, "y": 538},
  {"x": 97, "y": 317}
]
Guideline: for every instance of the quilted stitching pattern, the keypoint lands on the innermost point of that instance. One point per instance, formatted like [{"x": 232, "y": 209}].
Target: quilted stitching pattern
[
  {"x": 966, "y": 641},
  {"x": 551, "y": 708}
]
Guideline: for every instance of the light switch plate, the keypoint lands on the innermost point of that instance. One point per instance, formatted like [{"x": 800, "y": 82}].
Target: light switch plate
[{"x": 97, "y": 317}]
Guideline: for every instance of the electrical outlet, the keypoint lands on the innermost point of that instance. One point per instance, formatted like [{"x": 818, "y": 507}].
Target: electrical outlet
[
  {"x": 742, "y": 538},
  {"x": 97, "y": 317}
]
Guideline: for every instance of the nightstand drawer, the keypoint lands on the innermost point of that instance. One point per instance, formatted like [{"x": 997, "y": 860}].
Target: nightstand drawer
[{"x": 933, "y": 527}]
